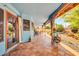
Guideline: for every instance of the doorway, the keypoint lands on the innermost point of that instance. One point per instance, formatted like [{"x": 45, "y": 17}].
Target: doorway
[{"x": 12, "y": 34}]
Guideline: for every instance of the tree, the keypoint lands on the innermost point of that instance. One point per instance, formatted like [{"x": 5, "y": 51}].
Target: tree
[
  {"x": 59, "y": 28},
  {"x": 72, "y": 17},
  {"x": 47, "y": 27}
]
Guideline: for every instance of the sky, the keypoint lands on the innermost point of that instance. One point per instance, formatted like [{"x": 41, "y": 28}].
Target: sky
[{"x": 61, "y": 21}]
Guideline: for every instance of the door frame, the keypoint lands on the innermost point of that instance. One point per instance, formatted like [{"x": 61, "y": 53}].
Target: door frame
[{"x": 7, "y": 15}]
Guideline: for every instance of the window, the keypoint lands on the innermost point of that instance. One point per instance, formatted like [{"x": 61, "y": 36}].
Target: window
[
  {"x": 1, "y": 24},
  {"x": 26, "y": 25}
]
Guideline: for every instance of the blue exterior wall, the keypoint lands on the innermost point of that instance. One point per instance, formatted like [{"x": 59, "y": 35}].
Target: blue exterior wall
[
  {"x": 3, "y": 43},
  {"x": 25, "y": 34},
  {"x": 2, "y": 48}
]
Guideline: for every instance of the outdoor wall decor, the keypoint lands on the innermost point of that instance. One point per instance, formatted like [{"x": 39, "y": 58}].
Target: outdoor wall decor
[
  {"x": 1, "y": 24},
  {"x": 26, "y": 25}
]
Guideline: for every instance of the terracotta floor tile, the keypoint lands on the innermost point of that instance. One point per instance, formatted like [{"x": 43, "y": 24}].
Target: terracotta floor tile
[{"x": 39, "y": 46}]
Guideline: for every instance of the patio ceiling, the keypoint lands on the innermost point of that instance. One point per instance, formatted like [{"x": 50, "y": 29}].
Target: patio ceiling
[{"x": 38, "y": 11}]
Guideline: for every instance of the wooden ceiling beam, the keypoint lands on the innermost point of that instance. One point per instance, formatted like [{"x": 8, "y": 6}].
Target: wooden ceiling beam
[{"x": 64, "y": 9}]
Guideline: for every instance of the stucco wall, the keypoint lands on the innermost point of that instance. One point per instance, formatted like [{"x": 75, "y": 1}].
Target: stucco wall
[
  {"x": 3, "y": 43},
  {"x": 27, "y": 34}
]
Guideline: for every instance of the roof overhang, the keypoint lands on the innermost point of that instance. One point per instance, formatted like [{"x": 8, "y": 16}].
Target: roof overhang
[{"x": 62, "y": 9}]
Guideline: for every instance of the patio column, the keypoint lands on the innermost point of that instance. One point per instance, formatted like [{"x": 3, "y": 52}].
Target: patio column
[{"x": 52, "y": 24}]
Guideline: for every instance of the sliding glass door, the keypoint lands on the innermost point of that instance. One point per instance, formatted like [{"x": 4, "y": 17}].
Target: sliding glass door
[{"x": 12, "y": 30}]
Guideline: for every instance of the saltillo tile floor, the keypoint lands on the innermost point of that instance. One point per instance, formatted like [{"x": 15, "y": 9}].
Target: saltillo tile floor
[{"x": 40, "y": 45}]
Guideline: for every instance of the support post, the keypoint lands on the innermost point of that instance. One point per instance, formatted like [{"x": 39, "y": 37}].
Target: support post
[{"x": 52, "y": 24}]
